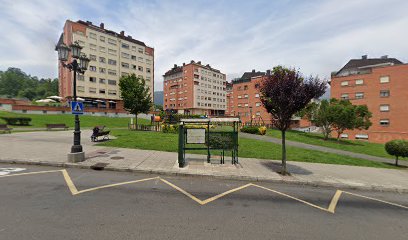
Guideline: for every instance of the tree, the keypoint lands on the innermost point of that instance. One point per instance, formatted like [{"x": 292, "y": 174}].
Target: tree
[
  {"x": 135, "y": 94},
  {"x": 397, "y": 148},
  {"x": 338, "y": 115},
  {"x": 286, "y": 92}
]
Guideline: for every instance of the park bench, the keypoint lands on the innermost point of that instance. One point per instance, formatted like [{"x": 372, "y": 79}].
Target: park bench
[
  {"x": 99, "y": 131},
  {"x": 4, "y": 128},
  {"x": 56, "y": 126}
]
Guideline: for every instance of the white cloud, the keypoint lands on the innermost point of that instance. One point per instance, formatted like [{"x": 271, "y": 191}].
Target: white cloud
[{"x": 316, "y": 37}]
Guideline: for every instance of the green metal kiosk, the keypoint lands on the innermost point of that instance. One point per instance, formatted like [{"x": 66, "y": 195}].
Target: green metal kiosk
[{"x": 216, "y": 136}]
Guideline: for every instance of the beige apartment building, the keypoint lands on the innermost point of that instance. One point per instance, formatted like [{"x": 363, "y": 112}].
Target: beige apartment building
[
  {"x": 112, "y": 55},
  {"x": 195, "y": 88}
]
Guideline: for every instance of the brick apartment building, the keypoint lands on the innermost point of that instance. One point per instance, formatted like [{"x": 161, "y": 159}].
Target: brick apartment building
[
  {"x": 195, "y": 88},
  {"x": 381, "y": 84},
  {"x": 245, "y": 100},
  {"x": 112, "y": 55}
]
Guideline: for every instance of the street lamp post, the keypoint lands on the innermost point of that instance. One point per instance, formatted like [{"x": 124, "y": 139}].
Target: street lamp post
[{"x": 79, "y": 64}]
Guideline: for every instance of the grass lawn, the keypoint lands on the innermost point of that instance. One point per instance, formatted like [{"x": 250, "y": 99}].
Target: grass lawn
[
  {"x": 247, "y": 148},
  {"x": 373, "y": 149},
  {"x": 39, "y": 121}
]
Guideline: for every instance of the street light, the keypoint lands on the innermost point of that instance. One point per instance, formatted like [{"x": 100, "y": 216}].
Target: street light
[{"x": 79, "y": 64}]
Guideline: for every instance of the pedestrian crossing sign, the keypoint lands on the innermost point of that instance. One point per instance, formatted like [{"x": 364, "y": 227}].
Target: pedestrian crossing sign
[{"x": 77, "y": 108}]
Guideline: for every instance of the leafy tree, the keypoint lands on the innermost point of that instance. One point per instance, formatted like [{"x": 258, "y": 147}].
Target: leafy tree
[
  {"x": 286, "y": 92},
  {"x": 16, "y": 83},
  {"x": 397, "y": 148},
  {"x": 338, "y": 115},
  {"x": 135, "y": 94}
]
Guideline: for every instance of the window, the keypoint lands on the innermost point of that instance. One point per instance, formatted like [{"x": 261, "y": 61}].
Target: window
[
  {"x": 102, "y": 91},
  {"x": 102, "y": 80},
  {"x": 133, "y": 57},
  {"x": 112, "y": 82},
  {"x": 92, "y": 79},
  {"x": 384, "y": 122},
  {"x": 92, "y": 47},
  {"x": 92, "y": 90},
  {"x": 92, "y": 35},
  {"x": 111, "y": 72},
  {"x": 359, "y": 95},
  {"x": 245, "y": 87},
  {"x": 149, "y": 78},
  {"x": 359, "y": 82},
  {"x": 148, "y": 62},
  {"x": 111, "y": 41},
  {"x": 258, "y": 104},
  {"x": 111, "y": 62},
  {"x": 92, "y": 57},
  {"x": 385, "y": 79},
  {"x": 125, "y": 55},
  {"x": 245, "y": 95},
  {"x": 80, "y": 88},
  {"x": 134, "y": 48},
  {"x": 344, "y": 135},
  {"x": 125, "y": 65},
  {"x": 258, "y": 113},
  {"x": 140, "y": 68},
  {"x": 345, "y": 96},
  {"x": 134, "y": 67},
  {"x": 92, "y": 68},
  {"x": 344, "y": 83},
  {"x": 140, "y": 50},
  {"x": 148, "y": 70},
  {"x": 112, "y": 52},
  {"x": 384, "y": 108},
  {"x": 125, "y": 46},
  {"x": 239, "y": 96},
  {"x": 80, "y": 77},
  {"x": 102, "y": 60},
  {"x": 124, "y": 74},
  {"x": 102, "y": 38},
  {"x": 102, "y": 49},
  {"x": 384, "y": 93},
  {"x": 361, "y": 136},
  {"x": 140, "y": 59},
  {"x": 111, "y": 92},
  {"x": 102, "y": 70},
  {"x": 257, "y": 95}
]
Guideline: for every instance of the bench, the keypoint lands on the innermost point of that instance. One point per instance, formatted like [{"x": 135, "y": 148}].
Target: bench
[
  {"x": 4, "y": 128},
  {"x": 17, "y": 120},
  {"x": 99, "y": 131},
  {"x": 56, "y": 126}
]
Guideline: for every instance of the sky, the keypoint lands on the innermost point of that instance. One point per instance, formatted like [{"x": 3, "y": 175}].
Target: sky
[{"x": 234, "y": 36}]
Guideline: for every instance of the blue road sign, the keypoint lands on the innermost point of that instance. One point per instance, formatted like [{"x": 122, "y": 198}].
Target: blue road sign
[{"x": 77, "y": 108}]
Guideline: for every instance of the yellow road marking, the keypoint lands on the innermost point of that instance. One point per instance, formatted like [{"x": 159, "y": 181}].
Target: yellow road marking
[
  {"x": 225, "y": 193},
  {"x": 30, "y": 173},
  {"x": 294, "y": 198},
  {"x": 334, "y": 201},
  {"x": 116, "y": 184},
  {"x": 330, "y": 209},
  {"x": 182, "y": 191},
  {"x": 378, "y": 200},
  {"x": 69, "y": 182}
]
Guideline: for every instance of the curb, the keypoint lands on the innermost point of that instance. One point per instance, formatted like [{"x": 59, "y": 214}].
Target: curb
[{"x": 224, "y": 177}]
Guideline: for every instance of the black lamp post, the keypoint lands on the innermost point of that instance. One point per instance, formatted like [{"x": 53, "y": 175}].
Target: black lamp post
[{"x": 79, "y": 64}]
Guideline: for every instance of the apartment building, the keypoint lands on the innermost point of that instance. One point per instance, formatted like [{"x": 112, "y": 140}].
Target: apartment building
[
  {"x": 245, "y": 100},
  {"x": 229, "y": 99},
  {"x": 381, "y": 84},
  {"x": 195, "y": 88},
  {"x": 112, "y": 55}
]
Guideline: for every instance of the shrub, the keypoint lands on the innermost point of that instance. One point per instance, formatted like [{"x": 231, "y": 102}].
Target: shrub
[
  {"x": 397, "y": 148},
  {"x": 262, "y": 130},
  {"x": 221, "y": 140},
  {"x": 251, "y": 130},
  {"x": 170, "y": 128}
]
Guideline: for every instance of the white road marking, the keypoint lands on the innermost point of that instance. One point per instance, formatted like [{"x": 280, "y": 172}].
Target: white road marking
[{"x": 5, "y": 171}]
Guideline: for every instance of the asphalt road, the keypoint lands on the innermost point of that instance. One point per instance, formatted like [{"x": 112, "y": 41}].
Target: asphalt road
[{"x": 83, "y": 204}]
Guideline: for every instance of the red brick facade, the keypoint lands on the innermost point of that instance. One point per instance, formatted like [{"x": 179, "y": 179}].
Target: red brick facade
[{"x": 384, "y": 89}]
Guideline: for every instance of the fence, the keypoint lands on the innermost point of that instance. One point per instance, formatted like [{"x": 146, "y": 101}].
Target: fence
[{"x": 142, "y": 127}]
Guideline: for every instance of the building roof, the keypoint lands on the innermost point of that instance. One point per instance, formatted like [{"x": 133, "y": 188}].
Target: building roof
[
  {"x": 174, "y": 70},
  {"x": 365, "y": 62},
  {"x": 246, "y": 77},
  {"x": 177, "y": 69},
  {"x": 121, "y": 35}
]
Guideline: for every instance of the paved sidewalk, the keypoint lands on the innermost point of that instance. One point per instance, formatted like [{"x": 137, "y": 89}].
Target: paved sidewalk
[
  {"x": 321, "y": 148},
  {"x": 51, "y": 148}
]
